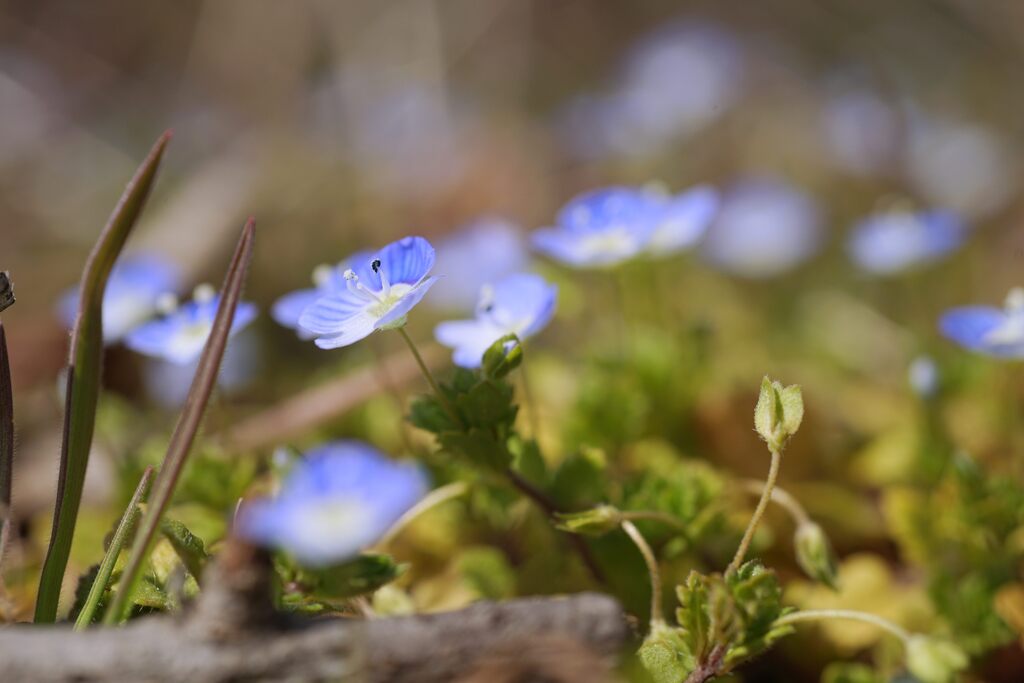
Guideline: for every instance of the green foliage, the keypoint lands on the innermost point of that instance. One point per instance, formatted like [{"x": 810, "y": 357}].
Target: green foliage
[
  {"x": 778, "y": 413},
  {"x": 722, "y": 622},
  {"x": 488, "y": 572},
  {"x": 502, "y": 357},
  {"x": 359, "y": 576},
  {"x": 846, "y": 672},
  {"x": 934, "y": 661},
  {"x": 593, "y": 522},
  {"x": 188, "y": 546}
]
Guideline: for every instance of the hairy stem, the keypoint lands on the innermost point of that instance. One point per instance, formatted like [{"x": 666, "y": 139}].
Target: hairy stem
[
  {"x": 853, "y": 615},
  {"x": 431, "y": 500},
  {"x": 780, "y": 497},
  {"x": 449, "y": 408},
  {"x": 652, "y": 569},
  {"x": 655, "y": 516},
  {"x": 766, "y": 495}
]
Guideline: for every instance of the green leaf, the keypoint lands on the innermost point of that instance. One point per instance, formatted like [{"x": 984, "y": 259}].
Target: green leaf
[
  {"x": 593, "y": 522},
  {"x": 477, "y": 446},
  {"x": 849, "y": 672},
  {"x": 664, "y": 654},
  {"x": 83, "y": 379},
  {"x": 188, "y": 546},
  {"x": 358, "y": 576},
  {"x": 487, "y": 570},
  {"x": 487, "y": 405},
  {"x": 188, "y": 423},
  {"x": 428, "y": 414},
  {"x": 101, "y": 579}
]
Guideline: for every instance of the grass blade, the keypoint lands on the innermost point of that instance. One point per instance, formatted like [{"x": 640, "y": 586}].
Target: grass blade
[
  {"x": 6, "y": 444},
  {"x": 83, "y": 383},
  {"x": 124, "y": 528},
  {"x": 188, "y": 425}
]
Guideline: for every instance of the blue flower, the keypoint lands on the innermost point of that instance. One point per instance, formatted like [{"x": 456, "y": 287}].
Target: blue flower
[
  {"x": 765, "y": 227},
  {"x": 135, "y": 285},
  {"x": 684, "y": 219},
  {"x": 988, "y": 330},
  {"x": 520, "y": 304},
  {"x": 379, "y": 292},
  {"x": 167, "y": 384},
  {"x": 337, "y": 500},
  {"x": 288, "y": 309},
  {"x": 485, "y": 251},
  {"x": 601, "y": 228},
  {"x": 894, "y": 241},
  {"x": 180, "y": 335}
]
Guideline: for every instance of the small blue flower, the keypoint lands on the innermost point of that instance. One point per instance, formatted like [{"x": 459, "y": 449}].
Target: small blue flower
[
  {"x": 379, "y": 292},
  {"x": 484, "y": 251},
  {"x": 288, "y": 309},
  {"x": 601, "y": 228},
  {"x": 520, "y": 304},
  {"x": 133, "y": 289},
  {"x": 988, "y": 330},
  {"x": 684, "y": 219},
  {"x": 180, "y": 336},
  {"x": 894, "y": 241},
  {"x": 167, "y": 384},
  {"x": 336, "y": 501},
  {"x": 765, "y": 227}
]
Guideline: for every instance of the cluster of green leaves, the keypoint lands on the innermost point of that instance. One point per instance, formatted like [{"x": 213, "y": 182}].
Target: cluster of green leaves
[
  {"x": 723, "y": 620},
  {"x": 475, "y": 420},
  {"x": 961, "y": 534},
  {"x": 328, "y": 589}
]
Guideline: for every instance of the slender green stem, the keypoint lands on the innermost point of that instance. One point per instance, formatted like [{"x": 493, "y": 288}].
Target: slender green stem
[
  {"x": 449, "y": 408},
  {"x": 822, "y": 614},
  {"x": 431, "y": 500},
  {"x": 124, "y": 529},
  {"x": 780, "y": 497},
  {"x": 652, "y": 569},
  {"x": 655, "y": 516},
  {"x": 766, "y": 494}
]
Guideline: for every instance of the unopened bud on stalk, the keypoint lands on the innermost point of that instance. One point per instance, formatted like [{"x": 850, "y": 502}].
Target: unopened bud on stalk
[
  {"x": 594, "y": 522},
  {"x": 778, "y": 413},
  {"x": 814, "y": 554}
]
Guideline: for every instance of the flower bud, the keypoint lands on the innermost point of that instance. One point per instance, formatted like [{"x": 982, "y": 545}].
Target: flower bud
[
  {"x": 502, "y": 357},
  {"x": 814, "y": 554},
  {"x": 934, "y": 661},
  {"x": 594, "y": 522},
  {"x": 778, "y": 413}
]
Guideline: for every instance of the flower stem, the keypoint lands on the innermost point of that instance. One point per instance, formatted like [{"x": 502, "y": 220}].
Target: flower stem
[
  {"x": 652, "y": 569},
  {"x": 766, "y": 494},
  {"x": 448, "y": 407},
  {"x": 655, "y": 516},
  {"x": 822, "y": 614},
  {"x": 431, "y": 500},
  {"x": 780, "y": 497}
]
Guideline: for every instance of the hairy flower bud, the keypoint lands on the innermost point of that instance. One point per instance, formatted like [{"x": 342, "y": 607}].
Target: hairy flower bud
[
  {"x": 814, "y": 554},
  {"x": 778, "y": 413}
]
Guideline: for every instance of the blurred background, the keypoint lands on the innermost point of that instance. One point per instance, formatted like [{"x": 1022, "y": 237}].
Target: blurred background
[{"x": 344, "y": 125}]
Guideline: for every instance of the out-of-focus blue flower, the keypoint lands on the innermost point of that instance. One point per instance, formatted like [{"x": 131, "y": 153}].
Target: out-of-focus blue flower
[
  {"x": 287, "y": 310},
  {"x": 520, "y": 304},
  {"x": 337, "y": 500},
  {"x": 167, "y": 384},
  {"x": 379, "y": 293},
  {"x": 861, "y": 130},
  {"x": 601, "y": 228},
  {"x": 962, "y": 166},
  {"x": 987, "y": 329},
  {"x": 485, "y": 251},
  {"x": 676, "y": 81},
  {"x": 923, "y": 375},
  {"x": 894, "y": 241},
  {"x": 180, "y": 335},
  {"x": 764, "y": 228},
  {"x": 684, "y": 219},
  {"x": 133, "y": 289}
]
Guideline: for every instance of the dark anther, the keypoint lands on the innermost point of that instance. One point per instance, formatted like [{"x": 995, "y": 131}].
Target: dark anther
[{"x": 375, "y": 265}]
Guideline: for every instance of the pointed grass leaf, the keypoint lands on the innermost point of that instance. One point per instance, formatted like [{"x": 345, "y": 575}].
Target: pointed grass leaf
[
  {"x": 83, "y": 382},
  {"x": 105, "y": 569},
  {"x": 188, "y": 424},
  {"x": 6, "y": 443}
]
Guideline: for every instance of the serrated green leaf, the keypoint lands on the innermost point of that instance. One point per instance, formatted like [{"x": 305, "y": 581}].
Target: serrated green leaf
[
  {"x": 488, "y": 404},
  {"x": 428, "y": 414},
  {"x": 189, "y": 547},
  {"x": 83, "y": 379},
  {"x": 477, "y": 446}
]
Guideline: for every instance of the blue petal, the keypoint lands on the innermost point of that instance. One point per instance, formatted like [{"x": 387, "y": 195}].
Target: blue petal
[
  {"x": 894, "y": 241},
  {"x": 287, "y": 310},
  {"x": 609, "y": 208},
  {"x": 356, "y": 328},
  {"x": 406, "y": 304},
  {"x": 561, "y": 246},
  {"x": 970, "y": 325},
  {"x": 408, "y": 260},
  {"x": 684, "y": 220},
  {"x": 526, "y": 296},
  {"x": 469, "y": 339},
  {"x": 329, "y": 314}
]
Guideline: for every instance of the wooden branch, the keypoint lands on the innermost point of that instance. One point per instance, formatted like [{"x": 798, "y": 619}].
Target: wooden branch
[
  {"x": 231, "y": 634},
  {"x": 299, "y": 413}
]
